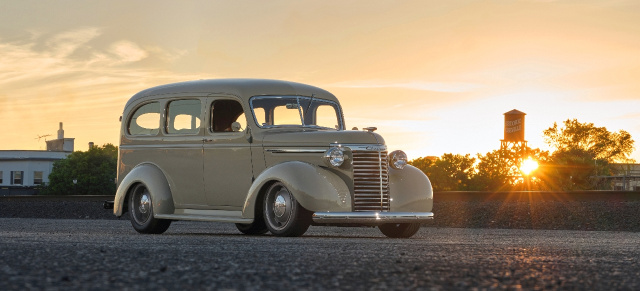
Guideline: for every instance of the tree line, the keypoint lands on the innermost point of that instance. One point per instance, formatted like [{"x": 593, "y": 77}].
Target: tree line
[{"x": 582, "y": 154}]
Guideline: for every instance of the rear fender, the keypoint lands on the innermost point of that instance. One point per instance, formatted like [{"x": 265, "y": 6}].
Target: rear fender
[
  {"x": 154, "y": 179},
  {"x": 316, "y": 189}
]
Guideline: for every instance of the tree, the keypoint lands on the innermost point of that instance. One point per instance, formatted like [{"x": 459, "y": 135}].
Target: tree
[
  {"x": 500, "y": 170},
  {"x": 572, "y": 169},
  {"x": 493, "y": 172},
  {"x": 584, "y": 152},
  {"x": 585, "y": 137},
  {"x": 447, "y": 173},
  {"x": 93, "y": 170}
]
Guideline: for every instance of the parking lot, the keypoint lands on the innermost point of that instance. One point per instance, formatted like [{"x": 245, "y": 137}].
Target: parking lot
[{"x": 106, "y": 254}]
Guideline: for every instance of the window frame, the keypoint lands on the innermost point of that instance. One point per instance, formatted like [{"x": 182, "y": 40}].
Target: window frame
[
  {"x": 165, "y": 117},
  {"x": 41, "y": 178},
  {"x": 13, "y": 178},
  {"x": 133, "y": 112},
  {"x": 268, "y": 115},
  {"x": 210, "y": 109}
]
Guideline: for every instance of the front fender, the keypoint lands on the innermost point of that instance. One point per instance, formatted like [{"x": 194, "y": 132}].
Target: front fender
[
  {"x": 410, "y": 190},
  {"x": 154, "y": 179},
  {"x": 315, "y": 188}
]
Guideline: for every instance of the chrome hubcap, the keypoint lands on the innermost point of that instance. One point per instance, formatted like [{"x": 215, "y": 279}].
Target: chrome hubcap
[
  {"x": 279, "y": 206},
  {"x": 144, "y": 203},
  {"x": 140, "y": 206}
]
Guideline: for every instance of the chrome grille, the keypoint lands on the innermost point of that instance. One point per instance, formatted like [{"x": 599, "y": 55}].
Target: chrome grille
[{"x": 370, "y": 181}]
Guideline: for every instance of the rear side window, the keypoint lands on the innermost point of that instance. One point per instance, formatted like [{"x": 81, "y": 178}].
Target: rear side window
[
  {"x": 183, "y": 116},
  {"x": 145, "y": 120}
]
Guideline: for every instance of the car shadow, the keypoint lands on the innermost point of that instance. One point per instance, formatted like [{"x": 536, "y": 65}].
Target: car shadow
[{"x": 268, "y": 236}]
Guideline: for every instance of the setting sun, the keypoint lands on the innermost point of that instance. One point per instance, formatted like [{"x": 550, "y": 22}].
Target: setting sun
[{"x": 528, "y": 166}]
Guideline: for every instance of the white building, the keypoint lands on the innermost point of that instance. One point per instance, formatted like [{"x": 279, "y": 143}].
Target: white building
[
  {"x": 21, "y": 171},
  {"x": 627, "y": 177}
]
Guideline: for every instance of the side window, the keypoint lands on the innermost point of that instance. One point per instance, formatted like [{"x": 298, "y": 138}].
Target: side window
[
  {"x": 37, "y": 177},
  {"x": 183, "y": 116},
  {"x": 224, "y": 113},
  {"x": 1, "y": 177},
  {"x": 145, "y": 120}
]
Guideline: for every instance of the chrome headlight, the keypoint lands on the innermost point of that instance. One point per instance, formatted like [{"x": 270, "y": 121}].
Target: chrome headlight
[
  {"x": 334, "y": 157},
  {"x": 397, "y": 160}
]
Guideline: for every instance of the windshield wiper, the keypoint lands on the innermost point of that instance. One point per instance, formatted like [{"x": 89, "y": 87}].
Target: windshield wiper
[
  {"x": 309, "y": 105},
  {"x": 306, "y": 110}
]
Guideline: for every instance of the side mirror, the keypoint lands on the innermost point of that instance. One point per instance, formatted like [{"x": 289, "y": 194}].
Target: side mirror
[{"x": 235, "y": 126}]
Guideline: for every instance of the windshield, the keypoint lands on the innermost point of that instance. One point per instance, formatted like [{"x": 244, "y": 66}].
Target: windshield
[{"x": 296, "y": 111}]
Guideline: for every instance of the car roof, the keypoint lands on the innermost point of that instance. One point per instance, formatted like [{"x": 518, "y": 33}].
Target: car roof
[{"x": 242, "y": 88}]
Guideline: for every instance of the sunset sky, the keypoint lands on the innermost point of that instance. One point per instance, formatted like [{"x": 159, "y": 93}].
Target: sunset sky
[{"x": 434, "y": 76}]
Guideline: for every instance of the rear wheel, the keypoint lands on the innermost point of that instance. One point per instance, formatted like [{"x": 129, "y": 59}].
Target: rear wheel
[
  {"x": 399, "y": 230},
  {"x": 283, "y": 215},
  {"x": 141, "y": 212}
]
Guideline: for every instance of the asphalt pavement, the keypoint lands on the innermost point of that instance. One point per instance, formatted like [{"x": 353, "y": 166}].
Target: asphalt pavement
[{"x": 64, "y": 254}]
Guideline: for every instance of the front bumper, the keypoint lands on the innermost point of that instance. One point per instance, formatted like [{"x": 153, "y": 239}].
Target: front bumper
[{"x": 371, "y": 217}]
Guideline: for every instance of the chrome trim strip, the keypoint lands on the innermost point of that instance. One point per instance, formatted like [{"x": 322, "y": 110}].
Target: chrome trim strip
[
  {"x": 289, "y": 151},
  {"x": 203, "y": 218},
  {"x": 163, "y": 146},
  {"x": 372, "y": 217},
  {"x": 363, "y": 147}
]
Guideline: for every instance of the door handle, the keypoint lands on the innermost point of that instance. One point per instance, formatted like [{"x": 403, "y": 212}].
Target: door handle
[{"x": 207, "y": 140}]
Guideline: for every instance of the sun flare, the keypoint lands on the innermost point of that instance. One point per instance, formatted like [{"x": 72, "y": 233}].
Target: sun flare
[{"x": 528, "y": 166}]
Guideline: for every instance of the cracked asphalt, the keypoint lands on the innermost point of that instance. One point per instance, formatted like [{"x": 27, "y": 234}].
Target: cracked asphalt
[{"x": 62, "y": 254}]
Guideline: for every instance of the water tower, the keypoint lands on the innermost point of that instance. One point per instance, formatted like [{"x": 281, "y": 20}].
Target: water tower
[
  {"x": 513, "y": 147},
  {"x": 514, "y": 130}
]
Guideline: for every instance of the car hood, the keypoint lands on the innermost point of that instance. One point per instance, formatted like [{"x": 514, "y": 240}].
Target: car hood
[{"x": 319, "y": 138}]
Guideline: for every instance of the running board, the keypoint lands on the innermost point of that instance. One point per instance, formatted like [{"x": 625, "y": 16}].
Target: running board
[{"x": 206, "y": 215}]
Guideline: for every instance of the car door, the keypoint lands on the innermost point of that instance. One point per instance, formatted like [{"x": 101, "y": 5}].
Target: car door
[
  {"x": 227, "y": 154},
  {"x": 180, "y": 156}
]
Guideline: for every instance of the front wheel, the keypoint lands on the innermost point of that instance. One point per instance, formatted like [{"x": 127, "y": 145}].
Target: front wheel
[
  {"x": 399, "y": 230},
  {"x": 141, "y": 212},
  {"x": 283, "y": 215}
]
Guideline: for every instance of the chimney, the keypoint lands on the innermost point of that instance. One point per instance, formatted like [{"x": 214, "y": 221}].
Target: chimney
[
  {"x": 90, "y": 145},
  {"x": 60, "y": 132}
]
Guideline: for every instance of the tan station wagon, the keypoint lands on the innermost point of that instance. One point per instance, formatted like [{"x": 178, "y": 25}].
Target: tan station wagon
[{"x": 266, "y": 155}]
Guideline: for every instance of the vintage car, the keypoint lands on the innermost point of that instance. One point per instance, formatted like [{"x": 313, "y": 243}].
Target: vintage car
[{"x": 266, "y": 155}]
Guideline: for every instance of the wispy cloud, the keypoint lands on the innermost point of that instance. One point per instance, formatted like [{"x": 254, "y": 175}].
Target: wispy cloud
[
  {"x": 446, "y": 87},
  {"x": 128, "y": 51},
  {"x": 64, "y": 44},
  {"x": 72, "y": 75},
  {"x": 71, "y": 53}
]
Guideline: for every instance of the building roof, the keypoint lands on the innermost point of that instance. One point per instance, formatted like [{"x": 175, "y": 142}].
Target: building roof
[{"x": 25, "y": 155}]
